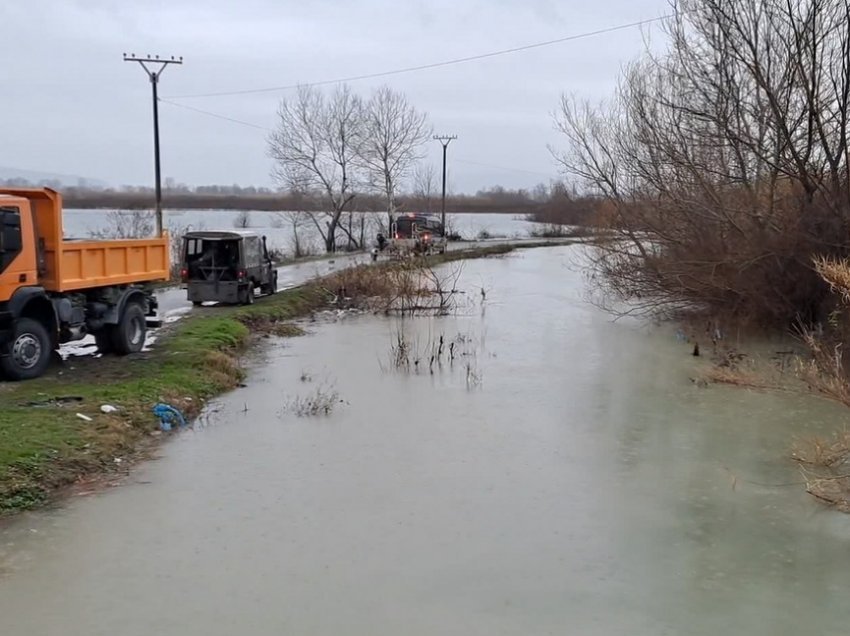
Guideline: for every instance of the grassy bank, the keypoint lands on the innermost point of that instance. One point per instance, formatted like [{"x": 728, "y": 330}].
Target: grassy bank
[{"x": 46, "y": 447}]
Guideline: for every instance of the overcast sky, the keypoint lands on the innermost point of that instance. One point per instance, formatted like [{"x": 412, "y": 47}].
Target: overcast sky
[{"x": 71, "y": 105}]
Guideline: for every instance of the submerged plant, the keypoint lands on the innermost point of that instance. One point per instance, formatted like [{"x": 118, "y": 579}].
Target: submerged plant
[
  {"x": 473, "y": 376},
  {"x": 438, "y": 355},
  {"x": 321, "y": 401},
  {"x": 411, "y": 286}
]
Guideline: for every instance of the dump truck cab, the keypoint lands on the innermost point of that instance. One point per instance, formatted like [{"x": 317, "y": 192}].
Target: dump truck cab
[
  {"x": 54, "y": 290},
  {"x": 226, "y": 267},
  {"x": 18, "y": 260}
]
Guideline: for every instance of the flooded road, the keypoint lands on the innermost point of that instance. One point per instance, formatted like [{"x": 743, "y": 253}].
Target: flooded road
[
  {"x": 561, "y": 476},
  {"x": 174, "y": 303},
  {"x": 173, "y": 300}
]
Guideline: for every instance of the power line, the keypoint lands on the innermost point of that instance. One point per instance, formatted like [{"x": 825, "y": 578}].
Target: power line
[
  {"x": 216, "y": 115},
  {"x": 488, "y": 165},
  {"x": 266, "y": 129},
  {"x": 422, "y": 67}
]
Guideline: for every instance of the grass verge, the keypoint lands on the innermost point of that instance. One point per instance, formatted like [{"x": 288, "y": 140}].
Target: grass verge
[{"x": 46, "y": 447}]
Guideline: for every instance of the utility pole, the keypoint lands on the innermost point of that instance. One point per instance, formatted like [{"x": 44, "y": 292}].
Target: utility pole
[
  {"x": 445, "y": 140},
  {"x": 153, "y": 74}
]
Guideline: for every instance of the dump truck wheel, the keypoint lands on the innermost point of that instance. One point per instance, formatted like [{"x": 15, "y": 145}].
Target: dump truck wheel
[
  {"x": 103, "y": 340},
  {"x": 128, "y": 336},
  {"x": 29, "y": 351}
]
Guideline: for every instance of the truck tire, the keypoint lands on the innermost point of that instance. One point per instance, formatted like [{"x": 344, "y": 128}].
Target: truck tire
[
  {"x": 29, "y": 351},
  {"x": 103, "y": 340},
  {"x": 128, "y": 336}
]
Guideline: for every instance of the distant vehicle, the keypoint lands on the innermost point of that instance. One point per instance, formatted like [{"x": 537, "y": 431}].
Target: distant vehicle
[
  {"x": 416, "y": 233},
  {"x": 55, "y": 290},
  {"x": 226, "y": 267}
]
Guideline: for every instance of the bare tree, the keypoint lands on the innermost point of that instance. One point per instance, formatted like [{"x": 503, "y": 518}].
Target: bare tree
[
  {"x": 540, "y": 193},
  {"x": 395, "y": 133},
  {"x": 242, "y": 220},
  {"x": 176, "y": 232},
  {"x": 316, "y": 146},
  {"x": 296, "y": 221},
  {"x": 723, "y": 162},
  {"x": 125, "y": 224},
  {"x": 424, "y": 193},
  {"x": 425, "y": 185},
  {"x": 349, "y": 225}
]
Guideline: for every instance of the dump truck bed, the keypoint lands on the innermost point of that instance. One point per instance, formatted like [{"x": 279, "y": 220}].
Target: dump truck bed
[
  {"x": 73, "y": 265},
  {"x": 87, "y": 264}
]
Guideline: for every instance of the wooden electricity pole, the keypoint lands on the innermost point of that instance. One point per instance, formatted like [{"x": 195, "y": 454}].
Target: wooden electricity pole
[
  {"x": 445, "y": 140},
  {"x": 149, "y": 65}
]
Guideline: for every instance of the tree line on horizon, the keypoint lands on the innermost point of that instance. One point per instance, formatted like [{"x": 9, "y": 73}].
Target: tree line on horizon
[{"x": 550, "y": 203}]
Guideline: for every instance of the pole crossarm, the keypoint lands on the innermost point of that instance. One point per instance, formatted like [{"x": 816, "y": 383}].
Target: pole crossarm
[
  {"x": 155, "y": 59},
  {"x": 445, "y": 139}
]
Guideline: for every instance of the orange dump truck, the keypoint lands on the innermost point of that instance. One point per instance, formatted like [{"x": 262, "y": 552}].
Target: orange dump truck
[{"x": 55, "y": 290}]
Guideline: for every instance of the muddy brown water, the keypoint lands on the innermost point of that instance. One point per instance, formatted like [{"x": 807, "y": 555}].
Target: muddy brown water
[{"x": 565, "y": 477}]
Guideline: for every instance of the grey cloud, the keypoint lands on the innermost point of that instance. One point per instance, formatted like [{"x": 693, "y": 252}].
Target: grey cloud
[{"x": 72, "y": 106}]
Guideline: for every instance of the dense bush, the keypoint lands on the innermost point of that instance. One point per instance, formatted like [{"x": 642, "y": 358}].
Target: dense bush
[{"x": 723, "y": 162}]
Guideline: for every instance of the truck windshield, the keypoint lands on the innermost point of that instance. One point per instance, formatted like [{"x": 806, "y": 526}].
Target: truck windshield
[
  {"x": 404, "y": 228},
  {"x": 11, "y": 241},
  {"x": 408, "y": 226}
]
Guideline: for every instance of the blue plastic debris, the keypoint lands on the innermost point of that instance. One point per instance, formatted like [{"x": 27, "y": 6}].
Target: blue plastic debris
[
  {"x": 168, "y": 416},
  {"x": 680, "y": 335}
]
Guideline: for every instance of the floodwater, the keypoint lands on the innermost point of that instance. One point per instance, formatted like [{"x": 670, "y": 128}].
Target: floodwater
[
  {"x": 81, "y": 223},
  {"x": 562, "y": 476}
]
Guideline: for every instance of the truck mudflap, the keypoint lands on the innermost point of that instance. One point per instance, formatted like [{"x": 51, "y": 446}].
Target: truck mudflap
[{"x": 152, "y": 319}]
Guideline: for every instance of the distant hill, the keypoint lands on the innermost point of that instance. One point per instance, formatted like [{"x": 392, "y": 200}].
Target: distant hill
[{"x": 16, "y": 176}]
